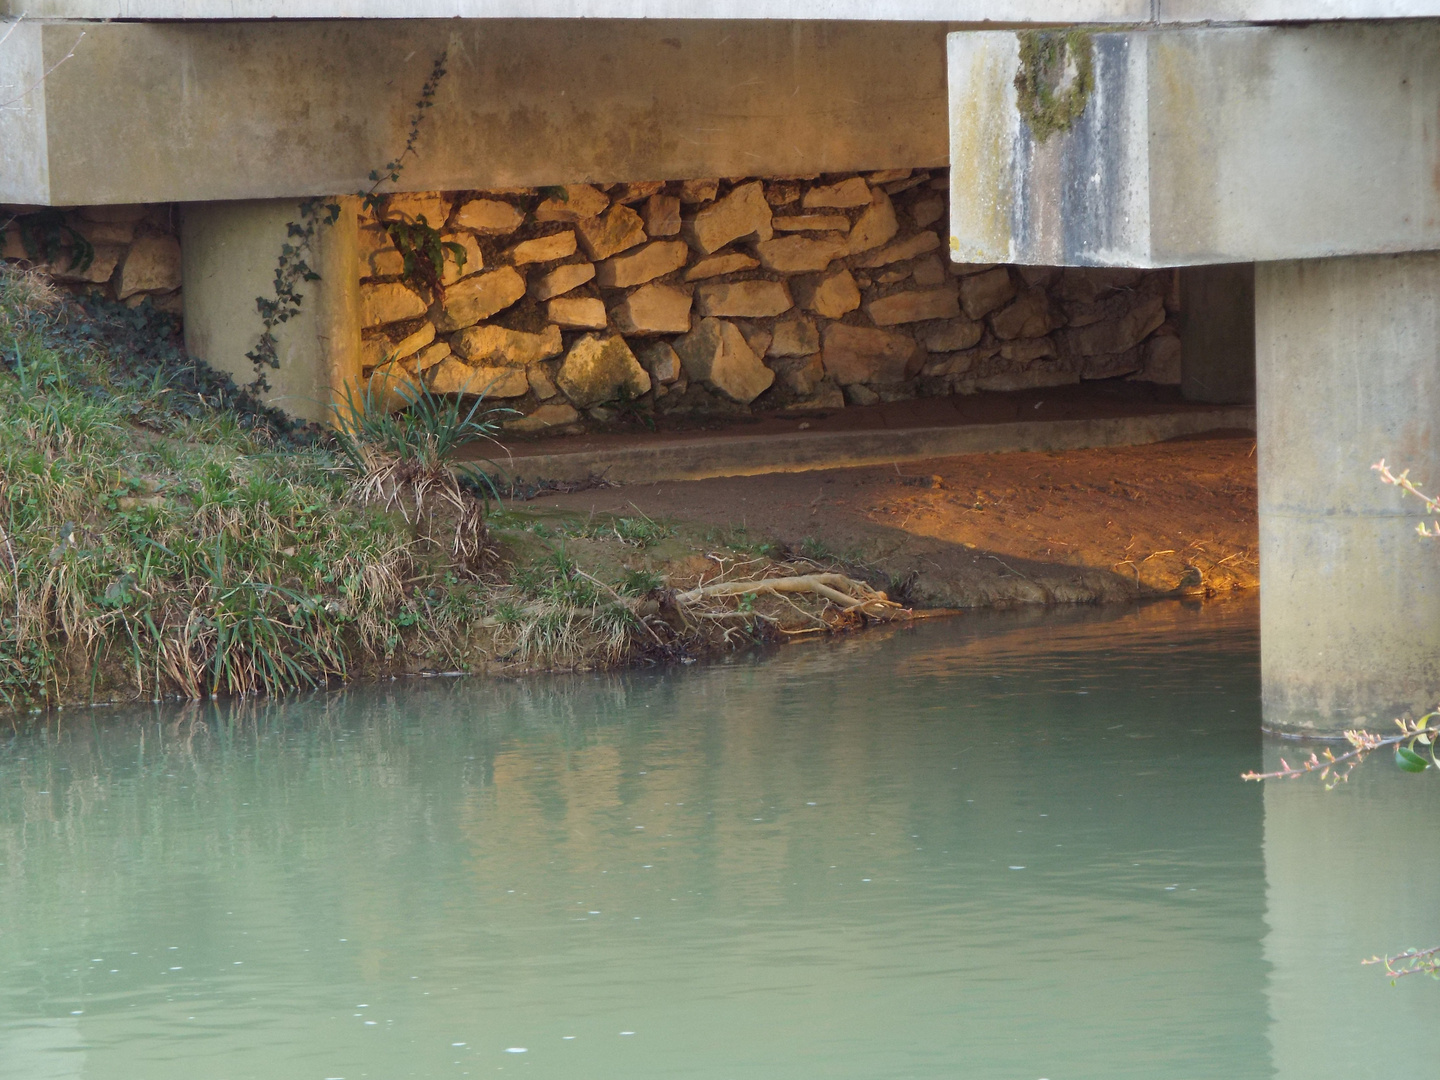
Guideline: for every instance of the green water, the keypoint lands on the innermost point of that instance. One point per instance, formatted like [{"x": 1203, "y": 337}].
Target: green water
[{"x": 1011, "y": 846}]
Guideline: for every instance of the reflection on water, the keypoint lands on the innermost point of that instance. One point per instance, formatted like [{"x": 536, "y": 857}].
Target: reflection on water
[{"x": 1000, "y": 846}]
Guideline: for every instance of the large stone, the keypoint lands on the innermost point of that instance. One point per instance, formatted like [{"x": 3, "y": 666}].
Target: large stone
[
  {"x": 616, "y": 230},
  {"x": 497, "y": 345},
  {"x": 653, "y": 309},
  {"x": 981, "y": 294},
  {"x": 794, "y": 336},
  {"x": 802, "y": 374},
  {"x": 453, "y": 376},
  {"x": 413, "y": 208},
  {"x": 952, "y": 335},
  {"x": 852, "y": 192},
  {"x": 855, "y": 354},
  {"x": 413, "y": 343},
  {"x": 660, "y": 361},
  {"x": 1119, "y": 335},
  {"x": 716, "y": 265},
  {"x": 542, "y": 385},
  {"x": 478, "y": 297},
  {"x": 553, "y": 415},
  {"x": 797, "y": 254},
  {"x": 391, "y": 388},
  {"x": 560, "y": 245},
  {"x": 580, "y": 201},
  {"x": 929, "y": 270},
  {"x": 452, "y": 270},
  {"x": 389, "y": 302},
  {"x": 635, "y": 191},
  {"x": 908, "y": 248},
  {"x": 915, "y": 306},
  {"x": 599, "y": 369},
  {"x": 1028, "y": 316},
  {"x": 643, "y": 264},
  {"x": 811, "y": 223},
  {"x": 876, "y": 226},
  {"x": 699, "y": 191},
  {"x": 430, "y": 355},
  {"x": 1113, "y": 365},
  {"x": 832, "y": 296},
  {"x": 1161, "y": 361},
  {"x": 1027, "y": 350},
  {"x": 740, "y": 214},
  {"x": 716, "y": 354},
  {"x": 489, "y": 216},
  {"x": 562, "y": 279},
  {"x": 577, "y": 312},
  {"x": 756, "y": 335},
  {"x": 743, "y": 299},
  {"x": 926, "y": 212},
  {"x": 662, "y": 215},
  {"x": 151, "y": 265}
]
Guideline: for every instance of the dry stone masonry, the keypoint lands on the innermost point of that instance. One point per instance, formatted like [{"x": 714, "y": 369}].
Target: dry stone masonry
[{"x": 728, "y": 296}]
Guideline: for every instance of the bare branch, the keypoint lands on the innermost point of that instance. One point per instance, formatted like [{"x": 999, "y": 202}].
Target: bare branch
[{"x": 45, "y": 75}]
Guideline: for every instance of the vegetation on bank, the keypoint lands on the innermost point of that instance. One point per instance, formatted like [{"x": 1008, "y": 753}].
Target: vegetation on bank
[{"x": 162, "y": 534}]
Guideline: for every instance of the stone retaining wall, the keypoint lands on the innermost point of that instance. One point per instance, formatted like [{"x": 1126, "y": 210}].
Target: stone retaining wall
[
  {"x": 726, "y": 296},
  {"x": 134, "y": 250}
]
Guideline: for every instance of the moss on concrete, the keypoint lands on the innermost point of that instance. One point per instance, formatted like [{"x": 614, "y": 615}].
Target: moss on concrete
[{"x": 1048, "y": 101}]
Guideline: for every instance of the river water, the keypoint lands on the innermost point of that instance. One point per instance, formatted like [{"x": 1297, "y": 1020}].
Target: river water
[{"x": 999, "y": 846}]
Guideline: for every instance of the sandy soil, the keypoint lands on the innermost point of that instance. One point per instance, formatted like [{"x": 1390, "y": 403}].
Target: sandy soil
[{"x": 996, "y": 529}]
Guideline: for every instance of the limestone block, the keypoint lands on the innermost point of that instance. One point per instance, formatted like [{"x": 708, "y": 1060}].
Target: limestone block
[
  {"x": 856, "y": 354},
  {"x": 860, "y": 394},
  {"x": 811, "y": 223},
  {"x": 715, "y": 265},
  {"x": 981, "y": 294},
  {"x": 798, "y": 254},
  {"x": 1040, "y": 277},
  {"x": 1161, "y": 362},
  {"x": 742, "y": 213},
  {"x": 876, "y": 226},
  {"x": 951, "y": 335},
  {"x": 926, "y": 212},
  {"x": 888, "y": 176},
  {"x": 1088, "y": 284},
  {"x": 599, "y": 369},
  {"x": 616, "y": 230},
  {"x": 101, "y": 268},
  {"x": 653, "y": 309},
  {"x": 801, "y": 374},
  {"x": 743, "y": 299},
  {"x": 496, "y": 345},
  {"x": 642, "y": 264},
  {"x": 915, "y": 306},
  {"x": 756, "y": 336},
  {"x": 490, "y": 217},
  {"x": 151, "y": 265},
  {"x": 413, "y": 343},
  {"x": 852, "y": 192},
  {"x": 541, "y": 384},
  {"x": 104, "y": 232},
  {"x": 662, "y": 215},
  {"x": 1118, "y": 335},
  {"x": 892, "y": 276},
  {"x": 431, "y": 355},
  {"x": 699, "y": 191},
  {"x": 478, "y": 297},
  {"x": 562, "y": 279},
  {"x": 716, "y": 354},
  {"x": 901, "y": 250},
  {"x": 954, "y": 363},
  {"x": 412, "y": 207},
  {"x": 794, "y": 335},
  {"x": 474, "y": 260},
  {"x": 1026, "y": 350},
  {"x": 452, "y": 376},
  {"x": 553, "y": 415},
  {"x": 580, "y": 201},
  {"x": 929, "y": 270},
  {"x": 1113, "y": 365},
  {"x": 1028, "y": 316},
  {"x": 389, "y": 302},
  {"x": 559, "y": 245},
  {"x": 637, "y": 191},
  {"x": 831, "y": 295},
  {"x": 375, "y": 350},
  {"x": 1029, "y": 378},
  {"x": 391, "y": 388},
  {"x": 577, "y": 312},
  {"x": 386, "y": 262},
  {"x": 782, "y": 192},
  {"x": 660, "y": 361}
]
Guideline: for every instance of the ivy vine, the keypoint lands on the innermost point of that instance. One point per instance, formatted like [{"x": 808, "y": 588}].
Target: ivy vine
[{"x": 45, "y": 233}]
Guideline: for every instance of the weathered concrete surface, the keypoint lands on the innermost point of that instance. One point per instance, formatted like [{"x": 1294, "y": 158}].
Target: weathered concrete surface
[
  {"x": 1348, "y": 372},
  {"x": 1203, "y": 145},
  {"x": 738, "y": 455},
  {"x": 152, "y": 112},
  {"x": 229, "y": 251},
  {"x": 1217, "y": 333}
]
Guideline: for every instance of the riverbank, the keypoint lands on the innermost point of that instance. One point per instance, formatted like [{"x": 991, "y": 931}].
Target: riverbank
[{"x": 164, "y": 536}]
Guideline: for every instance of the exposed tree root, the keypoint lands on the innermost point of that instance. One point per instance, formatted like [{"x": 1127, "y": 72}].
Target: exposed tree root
[{"x": 846, "y": 595}]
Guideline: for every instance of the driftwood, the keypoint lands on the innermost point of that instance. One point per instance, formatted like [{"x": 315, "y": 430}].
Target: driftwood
[{"x": 847, "y": 594}]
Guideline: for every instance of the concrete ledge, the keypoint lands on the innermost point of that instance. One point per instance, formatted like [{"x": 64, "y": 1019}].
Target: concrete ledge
[{"x": 741, "y": 455}]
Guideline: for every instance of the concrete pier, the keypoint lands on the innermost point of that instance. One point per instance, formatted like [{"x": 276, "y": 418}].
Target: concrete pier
[{"x": 1217, "y": 333}]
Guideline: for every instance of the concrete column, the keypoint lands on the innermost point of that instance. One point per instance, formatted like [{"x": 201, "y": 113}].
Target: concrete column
[
  {"x": 229, "y": 250},
  {"x": 1217, "y": 333},
  {"x": 1348, "y": 372}
]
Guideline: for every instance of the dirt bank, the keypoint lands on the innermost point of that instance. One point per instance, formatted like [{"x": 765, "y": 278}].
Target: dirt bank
[{"x": 996, "y": 529}]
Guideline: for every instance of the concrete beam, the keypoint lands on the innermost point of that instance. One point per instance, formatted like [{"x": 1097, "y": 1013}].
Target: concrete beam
[
  {"x": 1202, "y": 145},
  {"x": 154, "y": 112}
]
